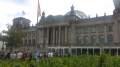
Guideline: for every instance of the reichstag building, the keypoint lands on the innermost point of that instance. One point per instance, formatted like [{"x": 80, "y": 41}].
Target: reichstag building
[{"x": 73, "y": 33}]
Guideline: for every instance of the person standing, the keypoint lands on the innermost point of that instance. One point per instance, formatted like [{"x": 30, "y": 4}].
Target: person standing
[
  {"x": 37, "y": 55},
  {"x": 19, "y": 55},
  {"x": 30, "y": 56}
]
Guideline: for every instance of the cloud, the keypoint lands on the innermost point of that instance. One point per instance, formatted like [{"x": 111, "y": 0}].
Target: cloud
[
  {"x": 10, "y": 9},
  {"x": 18, "y": 2}
]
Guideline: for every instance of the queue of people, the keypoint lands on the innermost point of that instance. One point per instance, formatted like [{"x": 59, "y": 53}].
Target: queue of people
[{"x": 23, "y": 55}]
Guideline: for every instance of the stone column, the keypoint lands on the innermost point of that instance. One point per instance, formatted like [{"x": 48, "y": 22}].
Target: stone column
[
  {"x": 62, "y": 36},
  {"x": 59, "y": 40},
  {"x": 53, "y": 36},
  {"x": 23, "y": 42},
  {"x": 116, "y": 31},
  {"x": 89, "y": 36},
  {"x": 43, "y": 38},
  {"x": 47, "y": 36},
  {"x": 31, "y": 41},
  {"x": 66, "y": 34},
  {"x": 56, "y": 37},
  {"x": 27, "y": 42},
  {"x": 105, "y": 32},
  {"x": 73, "y": 36},
  {"x": 39, "y": 38},
  {"x": 97, "y": 32}
]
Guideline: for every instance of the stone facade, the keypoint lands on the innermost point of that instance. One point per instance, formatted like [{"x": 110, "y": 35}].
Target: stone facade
[{"x": 75, "y": 33}]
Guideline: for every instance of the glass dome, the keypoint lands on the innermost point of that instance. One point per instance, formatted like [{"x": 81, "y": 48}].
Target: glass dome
[{"x": 77, "y": 13}]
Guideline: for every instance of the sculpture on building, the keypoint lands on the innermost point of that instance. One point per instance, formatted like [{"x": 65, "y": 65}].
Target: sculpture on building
[{"x": 117, "y": 7}]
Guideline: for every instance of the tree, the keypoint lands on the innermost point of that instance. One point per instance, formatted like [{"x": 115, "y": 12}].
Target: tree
[{"x": 14, "y": 36}]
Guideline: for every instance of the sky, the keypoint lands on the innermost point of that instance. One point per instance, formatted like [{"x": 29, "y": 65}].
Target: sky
[{"x": 10, "y": 9}]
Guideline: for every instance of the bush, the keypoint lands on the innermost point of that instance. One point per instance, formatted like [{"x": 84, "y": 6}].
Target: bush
[{"x": 73, "y": 61}]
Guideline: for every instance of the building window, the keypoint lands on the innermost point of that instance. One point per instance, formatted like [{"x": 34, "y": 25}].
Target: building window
[
  {"x": 109, "y": 28},
  {"x": 78, "y": 30},
  {"x": 93, "y": 39},
  {"x": 25, "y": 42},
  {"x": 100, "y": 29},
  {"x": 86, "y": 39},
  {"x": 93, "y": 29},
  {"x": 79, "y": 40},
  {"x": 33, "y": 41},
  {"x": 110, "y": 38},
  {"x": 86, "y": 30},
  {"x": 101, "y": 39},
  {"x": 25, "y": 34},
  {"x": 81, "y": 31},
  {"x": 29, "y": 42}
]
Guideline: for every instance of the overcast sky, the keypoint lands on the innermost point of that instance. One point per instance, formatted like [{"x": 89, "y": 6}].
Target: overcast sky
[{"x": 10, "y": 9}]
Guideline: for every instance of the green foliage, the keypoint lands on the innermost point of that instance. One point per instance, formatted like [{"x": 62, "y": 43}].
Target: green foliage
[
  {"x": 14, "y": 36},
  {"x": 73, "y": 61}
]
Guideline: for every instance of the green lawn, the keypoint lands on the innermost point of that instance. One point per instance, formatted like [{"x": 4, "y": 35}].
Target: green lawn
[{"x": 73, "y": 61}]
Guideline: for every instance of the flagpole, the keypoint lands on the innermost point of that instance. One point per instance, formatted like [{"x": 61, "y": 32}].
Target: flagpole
[
  {"x": 37, "y": 19},
  {"x": 38, "y": 11},
  {"x": 38, "y": 15}
]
